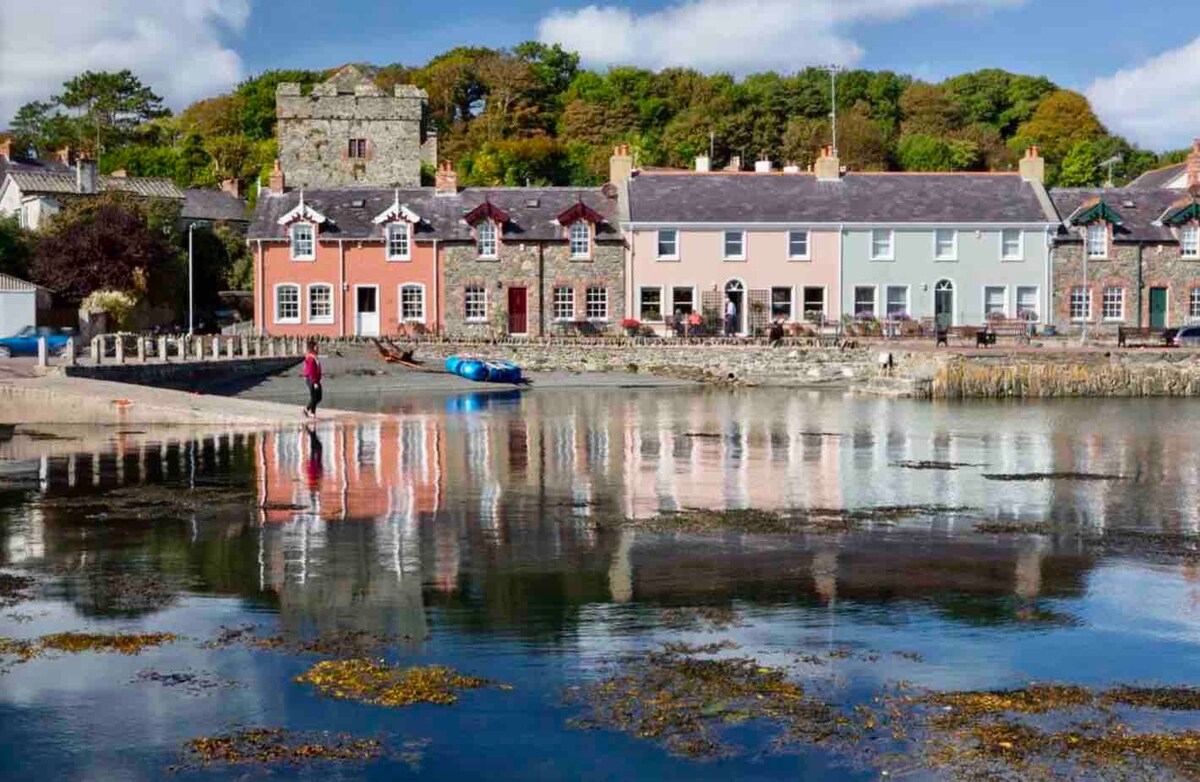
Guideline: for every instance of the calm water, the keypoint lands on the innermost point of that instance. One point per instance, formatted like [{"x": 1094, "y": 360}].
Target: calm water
[{"x": 476, "y": 528}]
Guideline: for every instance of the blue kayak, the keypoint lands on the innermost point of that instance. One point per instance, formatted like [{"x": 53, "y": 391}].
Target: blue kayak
[{"x": 483, "y": 370}]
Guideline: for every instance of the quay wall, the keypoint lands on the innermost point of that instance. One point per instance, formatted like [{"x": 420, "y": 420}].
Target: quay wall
[{"x": 186, "y": 375}]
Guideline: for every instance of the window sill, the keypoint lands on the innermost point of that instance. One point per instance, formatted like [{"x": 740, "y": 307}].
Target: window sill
[
  {"x": 320, "y": 322},
  {"x": 581, "y": 258},
  {"x": 287, "y": 322},
  {"x": 800, "y": 258},
  {"x": 399, "y": 260},
  {"x": 420, "y": 320},
  {"x": 734, "y": 259},
  {"x": 667, "y": 258},
  {"x": 891, "y": 259},
  {"x": 945, "y": 260},
  {"x": 304, "y": 260},
  {"x": 476, "y": 321}
]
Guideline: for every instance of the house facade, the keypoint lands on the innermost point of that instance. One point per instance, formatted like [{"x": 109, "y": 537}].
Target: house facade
[{"x": 482, "y": 262}]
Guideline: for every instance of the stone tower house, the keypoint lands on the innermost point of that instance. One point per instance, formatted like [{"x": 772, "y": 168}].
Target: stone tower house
[{"x": 348, "y": 131}]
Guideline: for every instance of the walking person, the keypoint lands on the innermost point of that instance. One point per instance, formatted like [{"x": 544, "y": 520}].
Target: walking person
[{"x": 312, "y": 379}]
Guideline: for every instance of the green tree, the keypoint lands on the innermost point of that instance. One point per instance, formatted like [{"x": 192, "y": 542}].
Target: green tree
[
  {"x": 927, "y": 110},
  {"x": 110, "y": 106},
  {"x": 1080, "y": 168},
  {"x": 16, "y": 248}
]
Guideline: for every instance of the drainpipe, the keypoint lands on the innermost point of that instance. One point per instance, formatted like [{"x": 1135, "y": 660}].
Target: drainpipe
[
  {"x": 342, "y": 287},
  {"x": 840, "y": 277},
  {"x": 437, "y": 290},
  {"x": 542, "y": 290},
  {"x": 631, "y": 288},
  {"x": 261, "y": 282},
  {"x": 1139, "y": 283},
  {"x": 1047, "y": 302}
]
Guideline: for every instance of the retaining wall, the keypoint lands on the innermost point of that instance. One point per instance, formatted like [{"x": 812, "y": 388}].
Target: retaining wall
[{"x": 186, "y": 375}]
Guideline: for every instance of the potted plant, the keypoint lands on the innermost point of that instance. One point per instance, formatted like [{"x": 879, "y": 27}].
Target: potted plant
[{"x": 631, "y": 326}]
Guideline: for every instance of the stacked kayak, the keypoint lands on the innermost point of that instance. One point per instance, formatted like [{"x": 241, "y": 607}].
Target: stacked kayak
[{"x": 483, "y": 370}]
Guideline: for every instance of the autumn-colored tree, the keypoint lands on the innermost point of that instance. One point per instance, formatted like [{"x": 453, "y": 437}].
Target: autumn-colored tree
[
  {"x": 928, "y": 111},
  {"x": 861, "y": 143},
  {"x": 109, "y": 242},
  {"x": 1060, "y": 122}
]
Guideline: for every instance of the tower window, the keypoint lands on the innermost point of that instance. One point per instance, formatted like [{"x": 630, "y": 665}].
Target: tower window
[{"x": 357, "y": 148}]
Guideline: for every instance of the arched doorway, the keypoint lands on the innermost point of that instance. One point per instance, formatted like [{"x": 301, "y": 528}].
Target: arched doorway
[
  {"x": 735, "y": 293},
  {"x": 943, "y": 304}
]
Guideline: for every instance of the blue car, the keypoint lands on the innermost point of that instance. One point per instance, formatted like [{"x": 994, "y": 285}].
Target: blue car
[{"x": 25, "y": 342}]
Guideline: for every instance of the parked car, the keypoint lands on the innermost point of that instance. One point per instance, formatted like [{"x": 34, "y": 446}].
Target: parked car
[
  {"x": 25, "y": 342},
  {"x": 1188, "y": 337}
]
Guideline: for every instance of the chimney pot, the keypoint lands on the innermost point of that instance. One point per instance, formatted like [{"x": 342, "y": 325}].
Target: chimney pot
[
  {"x": 827, "y": 167},
  {"x": 762, "y": 166},
  {"x": 120, "y": 173},
  {"x": 1033, "y": 166},
  {"x": 276, "y": 182},
  {"x": 445, "y": 182},
  {"x": 233, "y": 186},
  {"x": 620, "y": 165},
  {"x": 735, "y": 163}
]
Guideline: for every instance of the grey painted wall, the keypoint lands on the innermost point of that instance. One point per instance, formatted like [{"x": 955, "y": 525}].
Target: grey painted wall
[{"x": 978, "y": 264}]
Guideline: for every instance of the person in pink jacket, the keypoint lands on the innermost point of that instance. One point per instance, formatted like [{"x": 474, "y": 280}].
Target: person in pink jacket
[{"x": 312, "y": 379}]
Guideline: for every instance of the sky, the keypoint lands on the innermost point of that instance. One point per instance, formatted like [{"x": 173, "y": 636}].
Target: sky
[{"x": 1136, "y": 61}]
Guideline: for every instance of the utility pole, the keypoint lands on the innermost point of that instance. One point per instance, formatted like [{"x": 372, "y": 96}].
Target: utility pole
[
  {"x": 834, "y": 70},
  {"x": 191, "y": 289}
]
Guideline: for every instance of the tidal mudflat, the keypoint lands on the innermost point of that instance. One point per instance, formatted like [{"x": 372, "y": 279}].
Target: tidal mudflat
[{"x": 615, "y": 583}]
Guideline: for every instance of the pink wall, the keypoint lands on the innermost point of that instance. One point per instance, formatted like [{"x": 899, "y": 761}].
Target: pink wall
[
  {"x": 701, "y": 264},
  {"x": 365, "y": 264}
]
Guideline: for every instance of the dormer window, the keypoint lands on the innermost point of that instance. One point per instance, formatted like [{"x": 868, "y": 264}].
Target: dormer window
[
  {"x": 485, "y": 239},
  {"x": 398, "y": 242},
  {"x": 1189, "y": 241},
  {"x": 303, "y": 242},
  {"x": 1096, "y": 239},
  {"x": 581, "y": 240}
]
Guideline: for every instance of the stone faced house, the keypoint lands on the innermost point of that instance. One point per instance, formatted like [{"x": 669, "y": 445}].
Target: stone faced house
[
  {"x": 348, "y": 131},
  {"x": 1130, "y": 256}
]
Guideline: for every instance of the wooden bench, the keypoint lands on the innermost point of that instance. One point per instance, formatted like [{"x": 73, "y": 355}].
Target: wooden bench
[
  {"x": 1144, "y": 335},
  {"x": 1007, "y": 327}
]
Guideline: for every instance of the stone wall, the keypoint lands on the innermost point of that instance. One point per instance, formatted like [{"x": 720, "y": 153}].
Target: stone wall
[
  {"x": 1162, "y": 267},
  {"x": 536, "y": 266},
  {"x": 314, "y": 131}
]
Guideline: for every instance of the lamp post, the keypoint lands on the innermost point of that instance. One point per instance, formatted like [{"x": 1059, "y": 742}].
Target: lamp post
[{"x": 191, "y": 288}]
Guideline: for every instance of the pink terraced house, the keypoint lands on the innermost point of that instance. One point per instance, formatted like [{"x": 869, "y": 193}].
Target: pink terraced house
[{"x": 738, "y": 248}]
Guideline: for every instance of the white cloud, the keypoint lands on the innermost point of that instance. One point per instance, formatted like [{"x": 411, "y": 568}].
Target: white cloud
[
  {"x": 176, "y": 47},
  {"x": 1157, "y": 103},
  {"x": 732, "y": 35}
]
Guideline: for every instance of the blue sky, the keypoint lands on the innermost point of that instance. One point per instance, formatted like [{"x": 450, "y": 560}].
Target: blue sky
[{"x": 1136, "y": 60}]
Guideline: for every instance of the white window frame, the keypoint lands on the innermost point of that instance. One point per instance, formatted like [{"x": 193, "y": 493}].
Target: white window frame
[
  {"x": 1087, "y": 302},
  {"x": 587, "y": 236},
  {"x": 807, "y": 254},
  {"x": 279, "y": 286},
  {"x": 693, "y": 289},
  {"x": 890, "y": 255},
  {"x": 294, "y": 242},
  {"x": 322, "y": 319},
  {"x": 466, "y": 302},
  {"x": 554, "y": 303},
  {"x": 1190, "y": 235},
  {"x": 1104, "y": 304},
  {"x": 661, "y": 302},
  {"x": 887, "y": 289},
  {"x": 1020, "y": 254},
  {"x": 791, "y": 318},
  {"x": 1194, "y": 303},
  {"x": 741, "y": 239},
  {"x": 1004, "y": 308},
  {"x": 824, "y": 301},
  {"x": 1037, "y": 299},
  {"x": 1095, "y": 252},
  {"x": 480, "y": 242},
  {"x": 587, "y": 303},
  {"x": 874, "y": 299},
  {"x": 953, "y": 254},
  {"x": 400, "y": 301},
  {"x": 391, "y": 239},
  {"x": 658, "y": 243}
]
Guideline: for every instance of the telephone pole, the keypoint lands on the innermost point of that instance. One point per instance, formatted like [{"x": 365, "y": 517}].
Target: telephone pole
[{"x": 834, "y": 70}]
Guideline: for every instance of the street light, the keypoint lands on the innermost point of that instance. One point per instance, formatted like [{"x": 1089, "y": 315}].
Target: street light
[{"x": 191, "y": 289}]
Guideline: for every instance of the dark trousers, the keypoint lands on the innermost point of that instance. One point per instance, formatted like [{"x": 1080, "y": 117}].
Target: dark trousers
[{"x": 314, "y": 396}]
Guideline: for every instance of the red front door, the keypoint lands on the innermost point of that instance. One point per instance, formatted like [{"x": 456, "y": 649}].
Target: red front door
[{"x": 518, "y": 318}]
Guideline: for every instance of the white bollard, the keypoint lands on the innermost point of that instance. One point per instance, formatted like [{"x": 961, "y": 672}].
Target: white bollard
[
  {"x": 271, "y": 347},
  {"x": 69, "y": 353},
  {"x": 198, "y": 349},
  {"x": 216, "y": 347},
  {"x": 42, "y": 353},
  {"x": 141, "y": 350},
  {"x": 162, "y": 348},
  {"x": 229, "y": 347},
  {"x": 245, "y": 348},
  {"x": 120, "y": 349},
  {"x": 97, "y": 350}
]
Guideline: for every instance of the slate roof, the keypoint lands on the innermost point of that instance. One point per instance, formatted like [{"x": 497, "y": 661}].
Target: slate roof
[
  {"x": 55, "y": 182},
  {"x": 1159, "y": 177},
  {"x": 1139, "y": 208},
  {"x": 350, "y": 211},
  {"x": 31, "y": 164},
  {"x": 215, "y": 205},
  {"x": 857, "y": 198}
]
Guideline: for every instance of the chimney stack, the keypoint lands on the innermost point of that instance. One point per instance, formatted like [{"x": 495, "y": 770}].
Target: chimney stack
[
  {"x": 703, "y": 164},
  {"x": 6, "y": 149},
  {"x": 445, "y": 182},
  {"x": 63, "y": 155},
  {"x": 85, "y": 177},
  {"x": 276, "y": 182},
  {"x": 762, "y": 166},
  {"x": 735, "y": 163},
  {"x": 233, "y": 186},
  {"x": 120, "y": 173},
  {"x": 1193, "y": 167},
  {"x": 620, "y": 165},
  {"x": 828, "y": 168},
  {"x": 1033, "y": 166}
]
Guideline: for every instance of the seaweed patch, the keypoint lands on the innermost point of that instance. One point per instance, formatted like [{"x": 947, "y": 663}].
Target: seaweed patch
[
  {"x": 710, "y": 618},
  {"x": 195, "y": 683},
  {"x": 15, "y": 589},
  {"x": 380, "y": 684},
  {"x": 762, "y": 522},
  {"x": 341, "y": 643},
  {"x": 275, "y": 746},
  {"x": 931, "y": 465}
]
